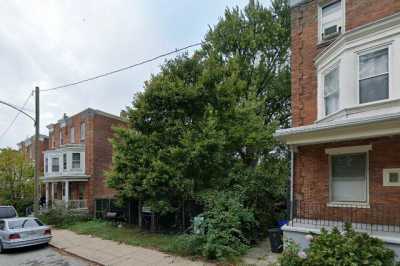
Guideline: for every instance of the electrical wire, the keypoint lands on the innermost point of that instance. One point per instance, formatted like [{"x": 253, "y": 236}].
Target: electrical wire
[
  {"x": 16, "y": 116},
  {"x": 122, "y": 69}
]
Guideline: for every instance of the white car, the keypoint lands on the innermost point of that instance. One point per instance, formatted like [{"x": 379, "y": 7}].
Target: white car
[{"x": 23, "y": 232}]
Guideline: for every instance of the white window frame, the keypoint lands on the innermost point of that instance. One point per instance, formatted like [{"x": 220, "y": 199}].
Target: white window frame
[
  {"x": 324, "y": 73},
  {"x": 65, "y": 161},
  {"x": 61, "y": 137},
  {"x": 72, "y": 135},
  {"x": 368, "y": 51},
  {"x": 46, "y": 165},
  {"x": 343, "y": 22},
  {"x": 72, "y": 161},
  {"x": 82, "y": 132},
  {"x": 53, "y": 164},
  {"x": 347, "y": 151}
]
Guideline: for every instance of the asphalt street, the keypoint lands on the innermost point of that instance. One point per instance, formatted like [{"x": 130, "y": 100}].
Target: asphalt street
[{"x": 38, "y": 256}]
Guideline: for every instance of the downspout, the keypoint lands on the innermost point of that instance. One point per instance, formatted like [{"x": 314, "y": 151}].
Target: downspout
[{"x": 291, "y": 180}]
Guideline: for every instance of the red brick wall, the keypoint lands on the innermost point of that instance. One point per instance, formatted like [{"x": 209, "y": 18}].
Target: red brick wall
[
  {"x": 29, "y": 152},
  {"x": 311, "y": 183},
  {"x": 103, "y": 153},
  {"x": 304, "y": 21}
]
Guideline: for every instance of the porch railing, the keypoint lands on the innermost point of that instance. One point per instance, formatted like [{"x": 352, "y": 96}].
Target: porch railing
[
  {"x": 72, "y": 204},
  {"x": 372, "y": 217}
]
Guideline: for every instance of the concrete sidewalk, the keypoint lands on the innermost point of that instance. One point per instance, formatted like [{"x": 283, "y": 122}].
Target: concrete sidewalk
[{"x": 111, "y": 253}]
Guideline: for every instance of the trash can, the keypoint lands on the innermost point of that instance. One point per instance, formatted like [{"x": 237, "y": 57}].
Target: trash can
[{"x": 275, "y": 238}]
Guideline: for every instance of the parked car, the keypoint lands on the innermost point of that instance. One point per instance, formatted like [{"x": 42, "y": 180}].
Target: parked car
[
  {"x": 8, "y": 212},
  {"x": 23, "y": 232}
]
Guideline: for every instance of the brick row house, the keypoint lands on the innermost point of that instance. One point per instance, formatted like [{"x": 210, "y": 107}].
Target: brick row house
[
  {"x": 345, "y": 134},
  {"x": 78, "y": 155},
  {"x": 27, "y": 147}
]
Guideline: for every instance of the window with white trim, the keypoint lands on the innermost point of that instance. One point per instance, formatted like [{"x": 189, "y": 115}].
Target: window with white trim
[
  {"x": 331, "y": 19},
  {"x": 46, "y": 165},
  {"x": 331, "y": 91},
  {"x": 55, "y": 167},
  {"x": 72, "y": 135},
  {"x": 374, "y": 76},
  {"x": 61, "y": 137},
  {"x": 83, "y": 131},
  {"x": 349, "y": 173},
  {"x": 64, "y": 161},
  {"x": 76, "y": 160}
]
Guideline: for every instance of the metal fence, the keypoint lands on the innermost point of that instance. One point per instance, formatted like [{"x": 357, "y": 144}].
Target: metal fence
[{"x": 373, "y": 217}]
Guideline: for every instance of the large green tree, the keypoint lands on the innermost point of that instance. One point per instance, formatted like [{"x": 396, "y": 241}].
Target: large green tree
[
  {"x": 205, "y": 122},
  {"x": 16, "y": 179}
]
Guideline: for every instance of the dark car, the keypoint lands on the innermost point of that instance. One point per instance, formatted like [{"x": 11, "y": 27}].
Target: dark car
[{"x": 7, "y": 212}]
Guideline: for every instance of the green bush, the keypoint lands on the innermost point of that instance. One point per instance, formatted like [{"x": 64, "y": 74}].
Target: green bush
[
  {"x": 340, "y": 248},
  {"x": 226, "y": 228},
  {"x": 62, "y": 217}
]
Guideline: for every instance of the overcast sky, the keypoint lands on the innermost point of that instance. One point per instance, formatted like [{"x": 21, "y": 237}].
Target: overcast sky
[{"x": 49, "y": 43}]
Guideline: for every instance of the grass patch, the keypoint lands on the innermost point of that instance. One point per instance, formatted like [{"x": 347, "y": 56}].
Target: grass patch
[{"x": 128, "y": 235}]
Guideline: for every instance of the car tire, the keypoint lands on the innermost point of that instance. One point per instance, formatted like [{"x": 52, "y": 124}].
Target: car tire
[{"x": 1, "y": 248}]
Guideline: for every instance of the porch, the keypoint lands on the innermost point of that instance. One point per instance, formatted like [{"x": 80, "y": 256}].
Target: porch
[
  {"x": 378, "y": 220},
  {"x": 66, "y": 194}
]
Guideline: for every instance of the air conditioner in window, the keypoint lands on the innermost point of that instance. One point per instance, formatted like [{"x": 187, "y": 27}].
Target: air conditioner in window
[{"x": 331, "y": 32}]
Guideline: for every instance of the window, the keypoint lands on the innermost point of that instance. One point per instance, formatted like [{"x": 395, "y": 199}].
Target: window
[
  {"x": 64, "y": 161},
  {"x": 61, "y": 138},
  {"x": 374, "y": 76},
  {"x": 46, "y": 165},
  {"x": 83, "y": 131},
  {"x": 76, "y": 160},
  {"x": 55, "y": 167},
  {"x": 331, "y": 19},
  {"x": 331, "y": 91},
  {"x": 72, "y": 135},
  {"x": 349, "y": 177}
]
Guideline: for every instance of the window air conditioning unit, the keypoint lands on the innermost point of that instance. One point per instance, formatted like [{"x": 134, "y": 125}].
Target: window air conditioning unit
[{"x": 331, "y": 32}]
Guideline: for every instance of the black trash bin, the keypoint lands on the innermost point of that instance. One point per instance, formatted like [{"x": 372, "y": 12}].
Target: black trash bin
[{"x": 276, "y": 239}]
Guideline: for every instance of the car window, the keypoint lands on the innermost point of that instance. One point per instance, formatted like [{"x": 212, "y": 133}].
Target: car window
[
  {"x": 7, "y": 212},
  {"x": 2, "y": 225},
  {"x": 23, "y": 223}
]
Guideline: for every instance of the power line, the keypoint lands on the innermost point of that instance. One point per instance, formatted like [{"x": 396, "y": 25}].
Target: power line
[
  {"x": 123, "y": 68},
  {"x": 16, "y": 116}
]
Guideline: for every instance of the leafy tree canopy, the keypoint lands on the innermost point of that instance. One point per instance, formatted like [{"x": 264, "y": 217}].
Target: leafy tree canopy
[
  {"x": 16, "y": 179},
  {"x": 206, "y": 121}
]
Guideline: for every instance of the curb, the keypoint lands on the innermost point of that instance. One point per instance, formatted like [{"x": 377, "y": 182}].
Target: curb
[{"x": 76, "y": 255}]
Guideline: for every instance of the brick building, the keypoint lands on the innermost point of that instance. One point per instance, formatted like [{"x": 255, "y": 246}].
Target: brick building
[
  {"x": 27, "y": 147},
  {"x": 345, "y": 135},
  {"x": 79, "y": 153}
]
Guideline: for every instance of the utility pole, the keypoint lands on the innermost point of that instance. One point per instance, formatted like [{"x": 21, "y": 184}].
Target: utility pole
[{"x": 37, "y": 154}]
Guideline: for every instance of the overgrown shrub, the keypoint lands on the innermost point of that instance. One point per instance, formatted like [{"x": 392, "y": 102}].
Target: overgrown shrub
[
  {"x": 62, "y": 217},
  {"x": 333, "y": 248},
  {"x": 226, "y": 226}
]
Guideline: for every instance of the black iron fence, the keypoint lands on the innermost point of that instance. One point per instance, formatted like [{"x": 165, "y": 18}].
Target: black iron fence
[{"x": 368, "y": 217}]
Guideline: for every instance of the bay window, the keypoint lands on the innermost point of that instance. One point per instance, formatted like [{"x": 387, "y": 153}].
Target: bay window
[
  {"x": 349, "y": 177},
  {"x": 374, "y": 76},
  {"x": 331, "y": 91}
]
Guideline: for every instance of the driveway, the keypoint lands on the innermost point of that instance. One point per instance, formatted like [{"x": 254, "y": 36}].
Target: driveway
[{"x": 38, "y": 256}]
